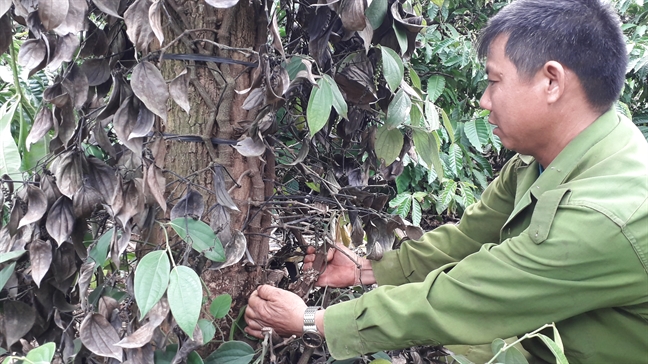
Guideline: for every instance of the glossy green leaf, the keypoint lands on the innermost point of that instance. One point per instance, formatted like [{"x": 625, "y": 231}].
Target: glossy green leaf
[
  {"x": 380, "y": 361},
  {"x": 231, "y": 352},
  {"x": 399, "y": 110},
  {"x": 428, "y": 149},
  {"x": 557, "y": 338},
  {"x": 11, "y": 255},
  {"x": 393, "y": 68},
  {"x": 482, "y": 126},
  {"x": 389, "y": 143},
  {"x": 448, "y": 125},
  {"x": 165, "y": 356},
  {"x": 6, "y": 273},
  {"x": 201, "y": 237},
  {"x": 376, "y": 12},
  {"x": 208, "y": 330},
  {"x": 511, "y": 356},
  {"x": 339, "y": 103},
  {"x": 10, "y": 160},
  {"x": 471, "y": 133},
  {"x": 415, "y": 79},
  {"x": 185, "y": 297},
  {"x": 431, "y": 115},
  {"x": 319, "y": 106},
  {"x": 439, "y": 3},
  {"x": 194, "y": 358},
  {"x": 435, "y": 86},
  {"x": 99, "y": 252},
  {"x": 455, "y": 159},
  {"x": 416, "y": 114},
  {"x": 151, "y": 280},
  {"x": 417, "y": 213},
  {"x": 403, "y": 208},
  {"x": 401, "y": 37},
  {"x": 555, "y": 349},
  {"x": 399, "y": 199},
  {"x": 42, "y": 354},
  {"x": 220, "y": 306}
]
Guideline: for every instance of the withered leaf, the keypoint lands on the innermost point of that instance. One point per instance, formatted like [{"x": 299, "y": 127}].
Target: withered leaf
[
  {"x": 119, "y": 245},
  {"x": 64, "y": 263},
  {"x": 50, "y": 189},
  {"x": 139, "y": 338},
  {"x": 149, "y": 85},
  {"x": 179, "y": 90},
  {"x": 155, "y": 19},
  {"x": 52, "y": 12},
  {"x": 191, "y": 204},
  {"x": 143, "y": 124},
  {"x": 85, "y": 276},
  {"x": 95, "y": 44},
  {"x": 380, "y": 238},
  {"x": 85, "y": 201},
  {"x": 101, "y": 137},
  {"x": 124, "y": 122},
  {"x": 19, "y": 318},
  {"x": 219, "y": 219},
  {"x": 60, "y": 220},
  {"x": 155, "y": 181},
  {"x": 357, "y": 233},
  {"x": 107, "y": 305},
  {"x": 98, "y": 336},
  {"x": 222, "y": 195},
  {"x": 138, "y": 27},
  {"x": 109, "y": 7},
  {"x": 234, "y": 250},
  {"x": 75, "y": 19},
  {"x": 250, "y": 146},
  {"x": 132, "y": 201},
  {"x": 96, "y": 70},
  {"x": 36, "y": 205},
  {"x": 352, "y": 13},
  {"x": 76, "y": 85},
  {"x": 15, "y": 216},
  {"x": 121, "y": 91},
  {"x": 68, "y": 171},
  {"x": 56, "y": 95},
  {"x": 254, "y": 99},
  {"x": 23, "y": 236},
  {"x": 276, "y": 38},
  {"x": 6, "y": 33},
  {"x": 159, "y": 312},
  {"x": 40, "y": 255},
  {"x": 64, "y": 123},
  {"x": 4, "y": 6},
  {"x": 222, "y": 4},
  {"x": 32, "y": 53},
  {"x": 43, "y": 123}
]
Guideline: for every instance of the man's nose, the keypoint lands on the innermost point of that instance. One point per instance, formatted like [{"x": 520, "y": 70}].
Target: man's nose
[{"x": 485, "y": 101}]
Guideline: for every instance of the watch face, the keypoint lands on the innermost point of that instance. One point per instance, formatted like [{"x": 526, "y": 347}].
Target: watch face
[{"x": 312, "y": 339}]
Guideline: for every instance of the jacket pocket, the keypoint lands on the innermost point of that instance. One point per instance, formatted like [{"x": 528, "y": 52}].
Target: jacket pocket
[{"x": 544, "y": 214}]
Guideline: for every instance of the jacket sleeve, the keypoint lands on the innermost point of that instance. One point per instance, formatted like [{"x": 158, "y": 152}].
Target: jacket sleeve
[
  {"x": 584, "y": 263},
  {"x": 481, "y": 223}
]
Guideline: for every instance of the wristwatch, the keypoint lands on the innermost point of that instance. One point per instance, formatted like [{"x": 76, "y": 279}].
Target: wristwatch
[{"x": 310, "y": 335}]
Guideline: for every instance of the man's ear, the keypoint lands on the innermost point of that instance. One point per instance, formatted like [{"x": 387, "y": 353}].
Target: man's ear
[{"x": 556, "y": 78}]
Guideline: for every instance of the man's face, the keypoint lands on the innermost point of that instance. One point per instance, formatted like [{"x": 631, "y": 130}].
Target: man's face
[{"x": 517, "y": 104}]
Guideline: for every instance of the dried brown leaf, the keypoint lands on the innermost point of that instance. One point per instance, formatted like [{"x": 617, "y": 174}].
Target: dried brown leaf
[
  {"x": 149, "y": 85},
  {"x": 101, "y": 137},
  {"x": 179, "y": 90},
  {"x": 85, "y": 276},
  {"x": 75, "y": 19},
  {"x": 121, "y": 91},
  {"x": 76, "y": 85},
  {"x": 15, "y": 216},
  {"x": 19, "y": 318},
  {"x": 60, "y": 220},
  {"x": 155, "y": 19},
  {"x": 222, "y": 4},
  {"x": 52, "y": 13},
  {"x": 158, "y": 312},
  {"x": 254, "y": 99},
  {"x": 276, "y": 38},
  {"x": 36, "y": 205},
  {"x": 6, "y": 33},
  {"x": 95, "y": 44},
  {"x": 138, "y": 27},
  {"x": 50, "y": 189},
  {"x": 222, "y": 195},
  {"x": 64, "y": 123},
  {"x": 132, "y": 201},
  {"x": 352, "y": 13},
  {"x": 110, "y": 7},
  {"x": 68, "y": 172},
  {"x": 56, "y": 95},
  {"x": 155, "y": 181},
  {"x": 64, "y": 264},
  {"x": 124, "y": 122},
  {"x": 96, "y": 70},
  {"x": 234, "y": 250},
  {"x": 139, "y": 338},
  {"x": 85, "y": 201},
  {"x": 32, "y": 53},
  {"x": 143, "y": 124},
  {"x": 23, "y": 236},
  {"x": 40, "y": 256},
  {"x": 250, "y": 147},
  {"x": 98, "y": 336},
  {"x": 191, "y": 204},
  {"x": 43, "y": 122},
  {"x": 4, "y": 6},
  {"x": 119, "y": 245},
  {"x": 107, "y": 305}
]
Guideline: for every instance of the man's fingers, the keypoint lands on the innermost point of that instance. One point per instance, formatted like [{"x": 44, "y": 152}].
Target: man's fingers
[
  {"x": 267, "y": 292},
  {"x": 256, "y": 333},
  {"x": 310, "y": 250}
]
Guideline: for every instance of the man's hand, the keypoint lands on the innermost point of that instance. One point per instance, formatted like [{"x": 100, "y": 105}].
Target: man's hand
[
  {"x": 281, "y": 310},
  {"x": 341, "y": 270}
]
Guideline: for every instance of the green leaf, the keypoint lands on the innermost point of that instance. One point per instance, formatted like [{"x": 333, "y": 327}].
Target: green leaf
[
  {"x": 399, "y": 110},
  {"x": 416, "y": 80},
  {"x": 339, "y": 103},
  {"x": 399, "y": 199},
  {"x": 208, "y": 330},
  {"x": 319, "y": 106},
  {"x": 295, "y": 65},
  {"x": 557, "y": 338},
  {"x": 482, "y": 127},
  {"x": 99, "y": 252},
  {"x": 435, "y": 86},
  {"x": 194, "y": 358},
  {"x": 403, "y": 208},
  {"x": 512, "y": 356},
  {"x": 471, "y": 132},
  {"x": 447, "y": 195},
  {"x": 166, "y": 356},
  {"x": 401, "y": 36},
  {"x": 220, "y": 306},
  {"x": 37, "y": 151},
  {"x": 376, "y": 12},
  {"x": 201, "y": 237},
  {"x": 185, "y": 298},
  {"x": 455, "y": 159},
  {"x": 231, "y": 352},
  {"x": 6, "y": 273},
  {"x": 393, "y": 68},
  {"x": 42, "y": 354},
  {"x": 380, "y": 361},
  {"x": 151, "y": 280},
  {"x": 417, "y": 214},
  {"x": 416, "y": 114},
  {"x": 459, "y": 358},
  {"x": 389, "y": 143},
  {"x": 448, "y": 125},
  {"x": 431, "y": 115},
  {"x": 497, "y": 345},
  {"x": 10, "y": 161},
  {"x": 555, "y": 349},
  {"x": 428, "y": 149},
  {"x": 11, "y": 255}
]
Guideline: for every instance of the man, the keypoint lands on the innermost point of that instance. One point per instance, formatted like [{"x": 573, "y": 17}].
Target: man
[{"x": 560, "y": 236}]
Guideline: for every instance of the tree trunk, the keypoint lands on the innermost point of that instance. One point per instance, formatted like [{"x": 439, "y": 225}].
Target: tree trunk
[{"x": 216, "y": 111}]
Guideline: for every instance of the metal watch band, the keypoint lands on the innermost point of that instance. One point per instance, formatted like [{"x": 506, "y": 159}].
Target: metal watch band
[{"x": 309, "y": 319}]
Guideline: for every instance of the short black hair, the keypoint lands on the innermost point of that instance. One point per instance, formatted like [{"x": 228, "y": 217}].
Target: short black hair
[{"x": 582, "y": 35}]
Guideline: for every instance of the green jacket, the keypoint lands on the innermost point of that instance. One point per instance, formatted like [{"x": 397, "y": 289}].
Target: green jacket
[{"x": 568, "y": 246}]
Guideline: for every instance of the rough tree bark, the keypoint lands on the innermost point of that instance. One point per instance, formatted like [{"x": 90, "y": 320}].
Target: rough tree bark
[{"x": 216, "y": 112}]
